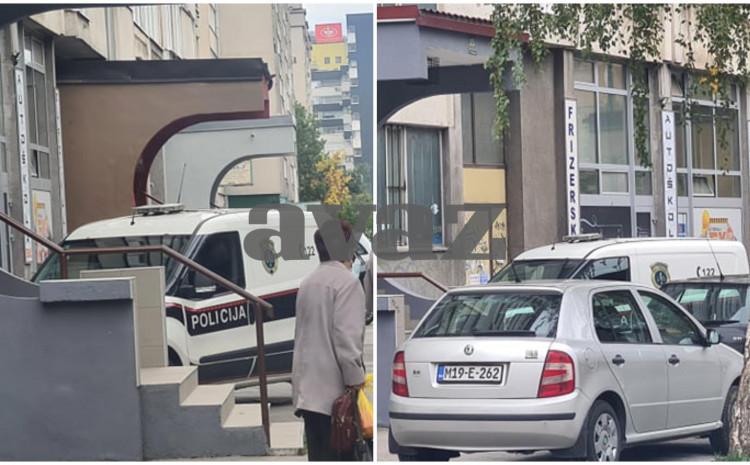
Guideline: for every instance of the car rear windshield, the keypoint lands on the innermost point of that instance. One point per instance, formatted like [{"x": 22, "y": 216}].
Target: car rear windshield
[
  {"x": 526, "y": 270},
  {"x": 531, "y": 314}
]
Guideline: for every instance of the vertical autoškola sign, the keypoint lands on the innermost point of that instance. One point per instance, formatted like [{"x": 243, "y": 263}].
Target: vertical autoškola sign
[
  {"x": 670, "y": 173},
  {"x": 23, "y": 153},
  {"x": 571, "y": 168}
]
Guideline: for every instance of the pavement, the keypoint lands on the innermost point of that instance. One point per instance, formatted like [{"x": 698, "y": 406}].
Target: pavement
[
  {"x": 280, "y": 397},
  {"x": 683, "y": 450}
]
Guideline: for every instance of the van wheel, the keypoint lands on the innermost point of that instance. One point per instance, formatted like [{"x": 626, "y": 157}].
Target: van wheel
[
  {"x": 720, "y": 438},
  {"x": 603, "y": 432},
  {"x": 173, "y": 358}
]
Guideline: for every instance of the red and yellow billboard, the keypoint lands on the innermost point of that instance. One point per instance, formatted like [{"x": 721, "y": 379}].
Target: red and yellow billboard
[{"x": 328, "y": 33}]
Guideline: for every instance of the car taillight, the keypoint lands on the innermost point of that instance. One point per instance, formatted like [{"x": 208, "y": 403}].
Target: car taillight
[
  {"x": 558, "y": 375},
  {"x": 399, "y": 375}
]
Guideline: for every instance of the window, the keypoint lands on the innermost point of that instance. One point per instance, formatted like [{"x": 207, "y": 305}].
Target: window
[
  {"x": 612, "y": 269},
  {"x": 710, "y": 165},
  {"x": 327, "y": 60},
  {"x": 413, "y": 174},
  {"x": 338, "y": 60},
  {"x": 674, "y": 326},
  {"x": 222, "y": 254},
  {"x": 480, "y": 145},
  {"x": 39, "y": 164},
  {"x": 533, "y": 314},
  {"x": 605, "y": 135},
  {"x": 618, "y": 320}
]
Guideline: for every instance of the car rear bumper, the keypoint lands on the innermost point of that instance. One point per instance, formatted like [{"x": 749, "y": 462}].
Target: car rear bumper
[{"x": 488, "y": 424}]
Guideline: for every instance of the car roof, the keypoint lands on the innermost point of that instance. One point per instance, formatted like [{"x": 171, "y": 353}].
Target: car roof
[
  {"x": 582, "y": 249},
  {"x": 726, "y": 279},
  {"x": 546, "y": 285}
]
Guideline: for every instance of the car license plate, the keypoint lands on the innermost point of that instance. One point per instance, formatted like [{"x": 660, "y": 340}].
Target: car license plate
[{"x": 492, "y": 374}]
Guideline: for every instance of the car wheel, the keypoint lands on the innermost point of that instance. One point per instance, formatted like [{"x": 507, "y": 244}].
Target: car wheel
[
  {"x": 426, "y": 455},
  {"x": 720, "y": 438},
  {"x": 604, "y": 433}
]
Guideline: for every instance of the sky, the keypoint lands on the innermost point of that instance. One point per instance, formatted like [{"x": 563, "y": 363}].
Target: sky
[{"x": 320, "y": 13}]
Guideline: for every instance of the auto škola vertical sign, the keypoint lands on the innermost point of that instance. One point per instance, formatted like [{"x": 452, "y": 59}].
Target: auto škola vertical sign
[
  {"x": 670, "y": 173},
  {"x": 23, "y": 155},
  {"x": 573, "y": 211}
]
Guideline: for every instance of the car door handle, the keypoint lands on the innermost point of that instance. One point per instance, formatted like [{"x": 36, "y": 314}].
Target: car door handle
[
  {"x": 673, "y": 360},
  {"x": 618, "y": 360}
]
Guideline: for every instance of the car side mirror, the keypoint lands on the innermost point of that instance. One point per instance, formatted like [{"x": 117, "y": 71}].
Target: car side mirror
[{"x": 713, "y": 337}]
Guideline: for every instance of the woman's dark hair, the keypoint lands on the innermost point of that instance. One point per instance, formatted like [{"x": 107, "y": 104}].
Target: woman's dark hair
[{"x": 323, "y": 252}]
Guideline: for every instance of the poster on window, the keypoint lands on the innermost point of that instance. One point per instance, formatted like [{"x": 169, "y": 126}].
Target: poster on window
[
  {"x": 718, "y": 223},
  {"x": 41, "y": 203}
]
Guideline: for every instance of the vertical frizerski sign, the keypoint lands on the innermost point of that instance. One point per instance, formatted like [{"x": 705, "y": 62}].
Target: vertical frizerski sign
[
  {"x": 670, "y": 173},
  {"x": 573, "y": 211},
  {"x": 23, "y": 154}
]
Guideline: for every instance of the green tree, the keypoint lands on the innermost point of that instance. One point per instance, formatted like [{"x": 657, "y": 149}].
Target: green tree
[
  {"x": 310, "y": 151},
  {"x": 636, "y": 31}
]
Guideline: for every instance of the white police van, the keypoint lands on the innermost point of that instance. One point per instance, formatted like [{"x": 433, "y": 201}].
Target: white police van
[
  {"x": 649, "y": 261},
  {"x": 207, "y": 325}
]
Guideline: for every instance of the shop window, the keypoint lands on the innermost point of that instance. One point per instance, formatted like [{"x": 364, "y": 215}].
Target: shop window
[
  {"x": 612, "y": 117},
  {"x": 643, "y": 183},
  {"x": 614, "y": 183},
  {"x": 643, "y": 224},
  {"x": 711, "y": 161},
  {"x": 610, "y": 222},
  {"x": 480, "y": 145},
  {"x": 589, "y": 181}
]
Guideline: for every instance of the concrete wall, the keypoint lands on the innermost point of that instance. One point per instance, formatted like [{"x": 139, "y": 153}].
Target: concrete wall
[
  {"x": 535, "y": 168},
  {"x": 69, "y": 370},
  {"x": 106, "y": 128},
  {"x": 148, "y": 312}
]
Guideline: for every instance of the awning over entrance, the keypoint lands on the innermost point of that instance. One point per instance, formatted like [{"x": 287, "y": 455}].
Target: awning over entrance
[
  {"x": 424, "y": 52},
  {"x": 116, "y": 116}
]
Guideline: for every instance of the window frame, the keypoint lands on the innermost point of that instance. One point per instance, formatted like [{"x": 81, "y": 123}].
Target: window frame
[
  {"x": 683, "y": 313},
  {"x": 403, "y": 188},
  {"x": 632, "y": 199},
  {"x": 635, "y": 300}
]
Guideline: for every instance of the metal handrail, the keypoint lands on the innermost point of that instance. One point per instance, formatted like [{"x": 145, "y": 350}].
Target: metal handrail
[
  {"x": 260, "y": 306},
  {"x": 412, "y": 274}
]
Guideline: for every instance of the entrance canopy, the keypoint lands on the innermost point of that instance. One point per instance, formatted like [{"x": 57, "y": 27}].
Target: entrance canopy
[
  {"x": 117, "y": 115},
  {"x": 424, "y": 52}
]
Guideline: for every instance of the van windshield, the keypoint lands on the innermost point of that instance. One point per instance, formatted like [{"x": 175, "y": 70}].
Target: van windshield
[
  {"x": 509, "y": 313},
  {"x": 530, "y": 270},
  {"x": 77, "y": 263}
]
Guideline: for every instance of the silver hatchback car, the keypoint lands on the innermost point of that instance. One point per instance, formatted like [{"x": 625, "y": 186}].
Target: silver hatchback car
[{"x": 584, "y": 368}]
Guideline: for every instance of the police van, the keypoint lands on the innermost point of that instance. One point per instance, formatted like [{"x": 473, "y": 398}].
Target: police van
[
  {"x": 650, "y": 261},
  {"x": 207, "y": 325}
]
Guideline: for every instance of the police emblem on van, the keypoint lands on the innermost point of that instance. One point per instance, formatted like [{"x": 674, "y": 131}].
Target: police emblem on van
[
  {"x": 659, "y": 274},
  {"x": 217, "y": 318},
  {"x": 271, "y": 257}
]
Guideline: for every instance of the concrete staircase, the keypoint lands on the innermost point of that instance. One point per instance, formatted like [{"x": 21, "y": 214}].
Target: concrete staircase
[{"x": 182, "y": 419}]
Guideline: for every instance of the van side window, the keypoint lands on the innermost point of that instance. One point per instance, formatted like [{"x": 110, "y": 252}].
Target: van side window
[
  {"x": 613, "y": 269},
  {"x": 222, "y": 254},
  {"x": 618, "y": 320}
]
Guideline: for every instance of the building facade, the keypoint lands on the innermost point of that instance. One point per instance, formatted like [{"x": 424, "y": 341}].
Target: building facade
[
  {"x": 332, "y": 91},
  {"x": 301, "y": 56},
  {"x": 32, "y": 174},
  {"x": 359, "y": 42}
]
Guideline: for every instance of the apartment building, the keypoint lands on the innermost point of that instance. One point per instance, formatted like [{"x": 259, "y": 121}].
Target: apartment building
[
  {"x": 331, "y": 90},
  {"x": 32, "y": 174},
  {"x": 264, "y": 31},
  {"x": 301, "y": 56},
  {"x": 359, "y": 44}
]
